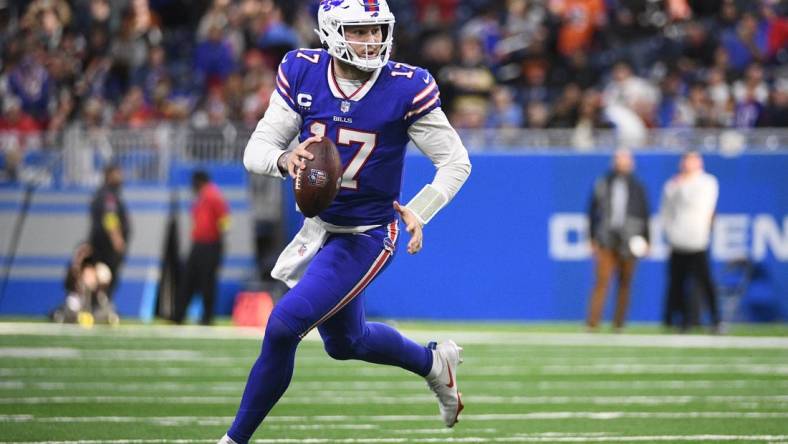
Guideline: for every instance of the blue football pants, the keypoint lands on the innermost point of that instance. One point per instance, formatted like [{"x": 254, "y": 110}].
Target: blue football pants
[{"x": 328, "y": 297}]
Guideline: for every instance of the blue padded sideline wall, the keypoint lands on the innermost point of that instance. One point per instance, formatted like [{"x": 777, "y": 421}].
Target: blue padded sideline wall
[
  {"x": 513, "y": 244},
  {"x": 58, "y": 221}
]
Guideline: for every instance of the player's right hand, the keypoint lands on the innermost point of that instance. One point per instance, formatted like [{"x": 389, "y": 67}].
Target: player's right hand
[{"x": 295, "y": 158}]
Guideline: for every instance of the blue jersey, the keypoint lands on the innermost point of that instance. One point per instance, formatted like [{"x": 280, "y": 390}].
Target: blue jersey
[{"x": 369, "y": 127}]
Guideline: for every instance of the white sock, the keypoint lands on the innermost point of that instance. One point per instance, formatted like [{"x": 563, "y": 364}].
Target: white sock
[
  {"x": 226, "y": 440},
  {"x": 437, "y": 366}
]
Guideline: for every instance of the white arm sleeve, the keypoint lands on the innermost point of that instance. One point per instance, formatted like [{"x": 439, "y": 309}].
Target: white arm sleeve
[
  {"x": 435, "y": 137},
  {"x": 278, "y": 127}
]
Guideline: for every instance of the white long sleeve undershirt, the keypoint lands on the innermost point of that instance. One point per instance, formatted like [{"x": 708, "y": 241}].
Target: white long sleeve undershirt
[
  {"x": 274, "y": 133},
  {"x": 432, "y": 134}
]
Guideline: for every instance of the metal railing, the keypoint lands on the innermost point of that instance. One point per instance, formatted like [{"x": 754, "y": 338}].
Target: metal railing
[
  {"x": 726, "y": 141},
  {"x": 148, "y": 154}
]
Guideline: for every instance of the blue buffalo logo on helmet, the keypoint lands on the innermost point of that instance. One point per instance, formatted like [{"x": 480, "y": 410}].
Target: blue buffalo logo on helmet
[
  {"x": 317, "y": 178},
  {"x": 328, "y": 5}
]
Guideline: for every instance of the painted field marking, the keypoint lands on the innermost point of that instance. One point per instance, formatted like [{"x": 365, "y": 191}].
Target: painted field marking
[
  {"x": 381, "y": 371},
  {"x": 366, "y": 398},
  {"x": 490, "y": 417},
  {"x": 460, "y": 336},
  {"x": 443, "y": 439},
  {"x": 381, "y": 387}
]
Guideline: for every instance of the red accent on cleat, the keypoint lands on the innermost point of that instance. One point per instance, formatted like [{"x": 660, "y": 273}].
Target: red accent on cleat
[
  {"x": 460, "y": 406},
  {"x": 451, "y": 377}
]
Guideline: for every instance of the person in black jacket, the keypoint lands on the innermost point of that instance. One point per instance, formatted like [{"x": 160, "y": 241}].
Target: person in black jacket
[
  {"x": 618, "y": 219},
  {"x": 109, "y": 224}
]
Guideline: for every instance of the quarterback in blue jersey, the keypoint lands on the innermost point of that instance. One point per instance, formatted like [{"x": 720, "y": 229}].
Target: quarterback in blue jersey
[{"x": 370, "y": 108}]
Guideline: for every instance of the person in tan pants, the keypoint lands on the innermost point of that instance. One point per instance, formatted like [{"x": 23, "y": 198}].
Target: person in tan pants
[{"x": 618, "y": 219}]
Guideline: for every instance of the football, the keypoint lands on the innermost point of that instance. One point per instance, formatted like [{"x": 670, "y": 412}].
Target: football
[{"x": 317, "y": 185}]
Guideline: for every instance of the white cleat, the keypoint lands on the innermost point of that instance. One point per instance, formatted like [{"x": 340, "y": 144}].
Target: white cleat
[
  {"x": 226, "y": 440},
  {"x": 442, "y": 380}
]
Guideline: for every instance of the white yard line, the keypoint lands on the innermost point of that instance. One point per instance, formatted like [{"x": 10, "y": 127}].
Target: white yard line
[
  {"x": 371, "y": 419},
  {"x": 661, "y": 385},
  {"x": 167, "y": 355},
  {"x": 444, "y": 439},
  {"x": 122, "y": 441},
  {"x": 40, "y": 352},
  {"x": 596, "y": 358},
  {"x": 499, "y": 338},
  {"x": 549, "y": 364},
  {"x": 416, "y": 386},
  {"x": 164, "y": 368},
  {"x": 130, "y": 331},
  {"x": 117, "y": 372},
  {"x": 645, "y": 438},
  {"x": 366, "y": 398},
  {"x": 440, "y": 431},
  {"x": 113, "y": 355},
  {"x": 164, "y": 358},
  {"x": 749, "y": 369}
]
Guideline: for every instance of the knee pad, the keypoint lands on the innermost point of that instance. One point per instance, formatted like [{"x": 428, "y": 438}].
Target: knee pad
[
  {"x": 296, "y": 312},
  {"x": 278, "y": 330},
  {"x": 340, "y": 348}
]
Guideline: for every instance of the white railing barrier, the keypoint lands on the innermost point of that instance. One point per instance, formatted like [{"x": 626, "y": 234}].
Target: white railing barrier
[{"x": 147, "y": 154}]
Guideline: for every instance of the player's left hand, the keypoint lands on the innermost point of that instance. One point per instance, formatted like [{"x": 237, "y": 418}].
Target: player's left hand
[{"x": 413, "y": 226}]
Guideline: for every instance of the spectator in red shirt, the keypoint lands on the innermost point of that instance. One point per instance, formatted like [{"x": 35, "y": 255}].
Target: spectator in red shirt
[
  {"x": 776, "y": 32},
  {"x": 14, "y": 119},
  {"x": 210, "y": 219},
  {"x": 17, "y": 131}
]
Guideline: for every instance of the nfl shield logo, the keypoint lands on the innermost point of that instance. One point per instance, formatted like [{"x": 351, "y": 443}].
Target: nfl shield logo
[
  {"x": 345, "y": 106},
  {"x": 317, "y": 178}
]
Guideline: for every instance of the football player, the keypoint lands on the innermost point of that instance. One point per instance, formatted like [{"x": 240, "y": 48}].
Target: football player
[{"x": 370, "y": 108}]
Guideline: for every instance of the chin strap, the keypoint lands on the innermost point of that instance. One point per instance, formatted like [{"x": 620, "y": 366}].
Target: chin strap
[{"x": 427, "y": 203}]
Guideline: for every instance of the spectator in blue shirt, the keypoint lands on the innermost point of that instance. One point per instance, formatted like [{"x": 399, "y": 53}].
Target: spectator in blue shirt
[
  {"x": 746, "y": 44},
  {"x": 213, "y": 59},
  {"x": 31, "y": 83},
  {"x": 505, "y": 112}
]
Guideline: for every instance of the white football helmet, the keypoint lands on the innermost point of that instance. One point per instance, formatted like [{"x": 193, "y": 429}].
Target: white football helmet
[{"x": 334, "y": 15}]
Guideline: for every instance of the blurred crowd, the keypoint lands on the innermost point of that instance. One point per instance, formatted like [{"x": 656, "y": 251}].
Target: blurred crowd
[
  {"x": 631, "y": 64},
  {"x": 580, "y": 64}
]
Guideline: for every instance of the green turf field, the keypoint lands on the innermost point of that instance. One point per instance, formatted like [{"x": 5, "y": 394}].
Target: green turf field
[{"x": 543, "y": 383}]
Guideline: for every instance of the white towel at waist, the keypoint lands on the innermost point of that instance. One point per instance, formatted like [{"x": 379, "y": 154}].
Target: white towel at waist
[{"x": 297, "y": 255}]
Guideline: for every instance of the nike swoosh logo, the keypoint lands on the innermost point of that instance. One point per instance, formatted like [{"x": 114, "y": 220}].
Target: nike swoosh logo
[
  {"x": 451, "y": 377},
  {"x": 426, "y": 79}
]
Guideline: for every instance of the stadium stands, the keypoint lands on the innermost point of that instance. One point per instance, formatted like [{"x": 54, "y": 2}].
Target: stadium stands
[{"x": 585, "y": 64}]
